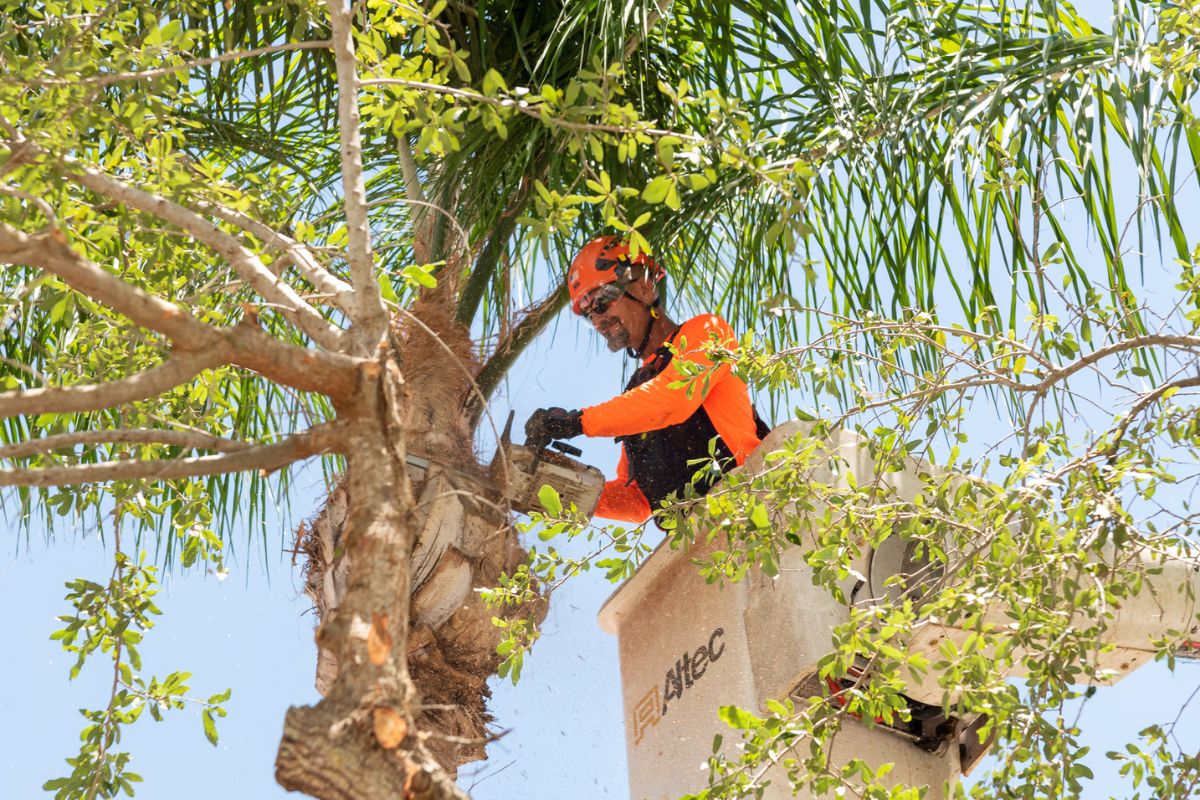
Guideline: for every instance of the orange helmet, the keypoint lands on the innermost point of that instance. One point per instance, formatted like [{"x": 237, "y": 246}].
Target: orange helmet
[{"x": 603, "y": 261}]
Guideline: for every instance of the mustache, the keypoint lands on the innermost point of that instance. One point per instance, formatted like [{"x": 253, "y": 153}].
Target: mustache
[{"x": 614, "y": 333}]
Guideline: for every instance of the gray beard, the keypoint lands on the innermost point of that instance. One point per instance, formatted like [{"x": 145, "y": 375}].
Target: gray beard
[
  {"x": 618, "y": 341},
  {"x": 616, "y": 337}
]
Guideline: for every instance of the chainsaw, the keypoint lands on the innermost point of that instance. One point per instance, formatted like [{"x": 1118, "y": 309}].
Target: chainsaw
[{"x": 524, "y": 469}]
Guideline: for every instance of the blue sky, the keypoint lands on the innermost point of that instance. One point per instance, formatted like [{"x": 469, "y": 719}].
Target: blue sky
[{"x": 253, "y": 632}]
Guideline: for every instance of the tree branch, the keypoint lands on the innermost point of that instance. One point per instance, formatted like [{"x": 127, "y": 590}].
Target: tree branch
[
  {"x": 1125, "y": 345},
  {"x": 328, "y": 373},
  {"x": 1147, "y": 400},
  {"x": 320, "y": 439},
  {"x": 42, "y": 205},
  {"x": 371, "y": 316},
  {"x": 309, "y": 370},
  {"x": 50, "y": 252},
  {"x": 311, "y": 269},
  {"x": 416, "y": 199},
  {"x": 174, "y": 371},
  {"x": 107, "y": 80},
  {"x": 511, "y": 347},
  {"x": 650, "y": 20},
  {"x": 192, "y": 440},
  {"x": 291, "y": 305},
  {"x": 497, "y": 243},
  {"x": 532, "y": 110}
]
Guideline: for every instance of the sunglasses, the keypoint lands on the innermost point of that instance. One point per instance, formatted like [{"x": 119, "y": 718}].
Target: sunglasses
[{"x": 599, "y": 300}]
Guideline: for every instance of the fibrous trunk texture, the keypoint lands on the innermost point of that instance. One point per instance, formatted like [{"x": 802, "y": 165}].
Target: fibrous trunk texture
[{"x": 463, "y": 540}]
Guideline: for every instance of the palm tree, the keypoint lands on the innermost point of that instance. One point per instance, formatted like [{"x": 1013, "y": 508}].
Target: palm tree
[
  {"x": 901, "y": 117},
  {"x": 879, "y": 138}
]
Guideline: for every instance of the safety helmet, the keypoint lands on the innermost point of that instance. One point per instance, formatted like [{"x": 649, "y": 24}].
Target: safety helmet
[{"x": 603, "y": 261}]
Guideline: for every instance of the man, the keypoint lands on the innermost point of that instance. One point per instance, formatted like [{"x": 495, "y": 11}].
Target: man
[{"x": 660, "y": 429}]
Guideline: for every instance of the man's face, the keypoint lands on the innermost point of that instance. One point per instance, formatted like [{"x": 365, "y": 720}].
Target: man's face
[{"x": 625, "y": 319}]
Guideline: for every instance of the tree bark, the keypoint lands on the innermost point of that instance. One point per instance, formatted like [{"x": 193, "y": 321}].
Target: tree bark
[
  {"x": 393, "y": 573},
  {"x": 460, "y": 537},
  {"x": 359, "y": 741}
]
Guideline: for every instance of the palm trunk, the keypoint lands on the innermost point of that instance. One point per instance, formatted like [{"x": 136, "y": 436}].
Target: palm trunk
[
  {"x": 455, "y": 536},
  {"x": 344, "y": 747}
]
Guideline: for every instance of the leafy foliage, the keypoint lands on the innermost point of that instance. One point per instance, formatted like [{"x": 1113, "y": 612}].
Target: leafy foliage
[
  {"x": 899, "y": 147},
  {"x": 1026, "y": 558},
  {"x": 111, "y": 619}
]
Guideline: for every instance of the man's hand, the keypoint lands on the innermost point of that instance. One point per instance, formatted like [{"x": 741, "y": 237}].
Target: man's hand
[{"x": 552, "y": 423}]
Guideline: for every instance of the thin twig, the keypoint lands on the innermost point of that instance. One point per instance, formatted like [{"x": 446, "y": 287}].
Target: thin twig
[
  {"x": 187, "y": 439},
  {"x": 321, "y": 439},
  {"x": 107, "y": 80}
]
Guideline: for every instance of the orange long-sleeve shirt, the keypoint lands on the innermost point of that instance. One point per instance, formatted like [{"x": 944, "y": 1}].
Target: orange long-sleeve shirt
[{"x": 654, "y": 405}]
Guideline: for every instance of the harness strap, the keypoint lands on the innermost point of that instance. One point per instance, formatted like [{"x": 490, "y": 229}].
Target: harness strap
[{"x": 653, "y": 309}]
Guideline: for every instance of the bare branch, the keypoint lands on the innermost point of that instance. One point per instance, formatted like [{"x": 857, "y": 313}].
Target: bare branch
[
  {"x": 329, "y": 373},
  {"x": 511, "y": 346},
  {"x": 293, "y": 307},
  {"x": 1147, "y": 400},
  {"x": 48, "y": 251},
  {"x": 23, "y": 367},
  {"x": 649, "y": 20},
  {"x": 408, "y": 165},
  {"x": 189, "y": 439},
  {"x": 416, "y": 198},
  {"x": 174, "y": 371},
  {"x": 338, "y": 290},
  {"x": 371, "y": 315},
  {"x": 41, "y": 204},
  {"x": 107, "y": 80},
  {"x": 320, "y": 439},
  {"x": 1123, "y": 346}
]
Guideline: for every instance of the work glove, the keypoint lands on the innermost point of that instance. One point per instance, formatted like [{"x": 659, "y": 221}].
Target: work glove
[{"x": 553, "y": 423}]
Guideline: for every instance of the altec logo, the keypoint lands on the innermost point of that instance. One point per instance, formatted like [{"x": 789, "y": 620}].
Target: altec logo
[{"x": 688, "y": 669}]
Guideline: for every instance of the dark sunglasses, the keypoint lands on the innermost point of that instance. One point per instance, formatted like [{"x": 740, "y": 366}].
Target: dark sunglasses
[{"x": 600, "y": 299}]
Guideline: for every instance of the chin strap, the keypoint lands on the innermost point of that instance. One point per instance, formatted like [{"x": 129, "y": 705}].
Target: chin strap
[{"x": 653, "y": 309}]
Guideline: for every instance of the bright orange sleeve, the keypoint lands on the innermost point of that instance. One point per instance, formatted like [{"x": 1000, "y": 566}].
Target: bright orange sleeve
[
  {"x": 621, "y": 500},
  {"x": 655, "y": 405}
]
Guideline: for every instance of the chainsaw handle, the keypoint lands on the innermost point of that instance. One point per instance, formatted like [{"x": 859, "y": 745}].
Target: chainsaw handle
[
  {"x": 569, "y": 449},
  {"x": 539, "y": 447}
]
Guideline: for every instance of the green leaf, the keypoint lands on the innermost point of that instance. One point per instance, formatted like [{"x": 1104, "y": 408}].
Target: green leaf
[
  {"x": 386, "y": 290},
  {"x": 59, "y": 309},
  {"x": 656, "y": 191},
  {"x": 672, "y": 200},
  {"x": 210, "y": 726},
  {"x": 548, "y": 497},
  {"x": 221, "y": 698},
  {"x": 493, "y": 83},
  {"x": 736, "y": 717},
  {"x": 420, "y": 276},
  {"x": 759, "y": 517}
]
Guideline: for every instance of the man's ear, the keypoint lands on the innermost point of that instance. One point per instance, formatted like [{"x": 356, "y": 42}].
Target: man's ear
[{"x": 643, "y": 289}]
